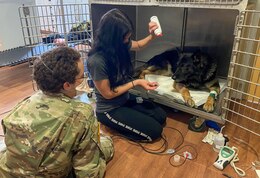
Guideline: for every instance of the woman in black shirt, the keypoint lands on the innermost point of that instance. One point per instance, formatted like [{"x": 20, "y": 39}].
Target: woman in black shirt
[{"x": 110, "y": 67}]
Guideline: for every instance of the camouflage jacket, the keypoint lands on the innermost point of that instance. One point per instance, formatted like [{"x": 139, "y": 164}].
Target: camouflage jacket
[{"x": 48, "y": 136}]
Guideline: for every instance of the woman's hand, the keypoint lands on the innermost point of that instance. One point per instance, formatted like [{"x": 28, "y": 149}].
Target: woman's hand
[
  {"x": 152, "y": 26},
  {"x": 146, "y": 84},
  {"x": 137, "y": 45},
  {"x": 103, "y": 86}
]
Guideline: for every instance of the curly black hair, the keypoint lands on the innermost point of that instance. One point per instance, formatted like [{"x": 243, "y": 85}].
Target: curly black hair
[{"x": 56, "y": 67}]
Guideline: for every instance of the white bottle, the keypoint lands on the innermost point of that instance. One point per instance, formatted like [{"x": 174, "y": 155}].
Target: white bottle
[
  {"x": 158, "y": 31},
  {"x": 219, "y": 141}
]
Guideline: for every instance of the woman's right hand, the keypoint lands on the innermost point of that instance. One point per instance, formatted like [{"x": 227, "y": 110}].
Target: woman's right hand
[
  {"x": 146, "y": 84},
  {"x": 152, "y": 26}
]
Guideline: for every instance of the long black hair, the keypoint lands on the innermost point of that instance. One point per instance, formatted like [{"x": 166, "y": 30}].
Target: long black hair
[{"x": 112, "y": 29}]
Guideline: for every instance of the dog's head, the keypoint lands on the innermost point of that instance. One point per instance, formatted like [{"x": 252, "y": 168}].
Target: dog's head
[
  {"x": 206, "y": 64},
  {"x": 185, "y": 69},
  {"x": 195, "y": 70},
  {"x": 200, "y": 60}
]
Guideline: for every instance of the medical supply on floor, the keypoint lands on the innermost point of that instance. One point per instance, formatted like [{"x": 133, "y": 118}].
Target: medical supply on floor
[
  {"x": 226, "y": 154},
  {"x": 219, "y": 141}
]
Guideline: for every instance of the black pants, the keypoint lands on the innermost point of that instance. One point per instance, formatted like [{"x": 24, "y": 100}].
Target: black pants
[{"x": 138, "y": 121}]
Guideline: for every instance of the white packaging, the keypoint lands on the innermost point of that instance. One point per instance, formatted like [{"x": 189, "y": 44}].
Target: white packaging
[
  {"x": 218, "y": 142},
  {"x": 158, "y": 31}
]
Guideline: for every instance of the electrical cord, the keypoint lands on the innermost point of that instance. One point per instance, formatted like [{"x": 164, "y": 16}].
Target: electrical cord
[
  {"x": 182, "y": 138},
  {"x": 178, "y": 149},
  {"x": 165, "y": 151},
  {"x": 157, "y": 151},
  {"x": 239, "y": 171},
  {"x": 162, "y": 150},
  {"x": 256, "y": 163},
  {"x": 139, "y": 143},
  {"x": 242, "y": 141},
  {"x": 195, "y": 154}
]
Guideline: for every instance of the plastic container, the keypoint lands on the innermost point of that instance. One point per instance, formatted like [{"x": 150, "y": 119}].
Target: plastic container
[
  {"x": 158, "y": 31},
  {"x": 176, "y": 158},
  {"x": 219, "y": 141}
]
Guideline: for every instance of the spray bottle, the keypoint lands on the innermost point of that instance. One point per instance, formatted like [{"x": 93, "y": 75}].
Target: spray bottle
[{"x": 158, "y": 31}]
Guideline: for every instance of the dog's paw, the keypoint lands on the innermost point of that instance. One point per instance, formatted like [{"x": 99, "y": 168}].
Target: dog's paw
[
  {"x": 142, "y": 76},
  {"x": 209, "y": 105},
  {"x": 189, "y": 101}
]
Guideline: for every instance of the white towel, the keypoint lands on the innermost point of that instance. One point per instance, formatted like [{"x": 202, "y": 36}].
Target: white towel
[{"x": 166, "y": 88}]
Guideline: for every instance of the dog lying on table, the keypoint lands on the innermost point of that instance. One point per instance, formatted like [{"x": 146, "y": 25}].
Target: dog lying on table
[{"x": 196, "y": 71}]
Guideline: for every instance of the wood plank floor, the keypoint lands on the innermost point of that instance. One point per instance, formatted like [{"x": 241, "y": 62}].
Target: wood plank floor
[{"x": 130, "y": 160}]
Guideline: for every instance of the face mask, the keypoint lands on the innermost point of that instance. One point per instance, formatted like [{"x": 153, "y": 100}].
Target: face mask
[{"x": 82, "y": 87}]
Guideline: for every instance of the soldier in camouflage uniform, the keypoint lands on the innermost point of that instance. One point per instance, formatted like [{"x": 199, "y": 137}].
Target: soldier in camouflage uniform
[{"x": 51, "y": 134}]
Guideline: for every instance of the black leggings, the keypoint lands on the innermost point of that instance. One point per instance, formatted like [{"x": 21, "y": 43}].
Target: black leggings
[{"x": 138, "y": 121}]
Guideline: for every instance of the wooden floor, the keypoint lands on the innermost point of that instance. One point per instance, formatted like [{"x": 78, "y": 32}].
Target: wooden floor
[{"x": 130, "y": 160}]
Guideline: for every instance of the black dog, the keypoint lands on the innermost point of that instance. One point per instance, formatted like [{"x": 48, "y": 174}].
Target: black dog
[
  {"x": 161, "y": 64},
  {"x": 188, "y": 71}
]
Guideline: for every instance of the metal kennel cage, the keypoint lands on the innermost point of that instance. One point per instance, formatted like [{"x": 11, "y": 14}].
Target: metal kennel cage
[
  {"x": 49, "y": 26},
  {"x": 242, "y": 101},
  {"x": 222, "y": 28}
]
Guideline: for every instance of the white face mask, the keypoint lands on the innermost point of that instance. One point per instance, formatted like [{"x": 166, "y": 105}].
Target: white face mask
[{"x": 82, "y": 87}]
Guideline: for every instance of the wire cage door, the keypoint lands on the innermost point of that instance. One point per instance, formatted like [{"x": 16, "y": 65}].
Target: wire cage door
[
  {"x": 48, "y": 26},
  {"x": 242, "y": 102}
]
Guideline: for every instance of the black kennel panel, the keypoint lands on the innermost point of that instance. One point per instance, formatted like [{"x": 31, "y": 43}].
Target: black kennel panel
[
  {"x": 189, "y": 29},
  {"x": 208, "y": 25}
]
